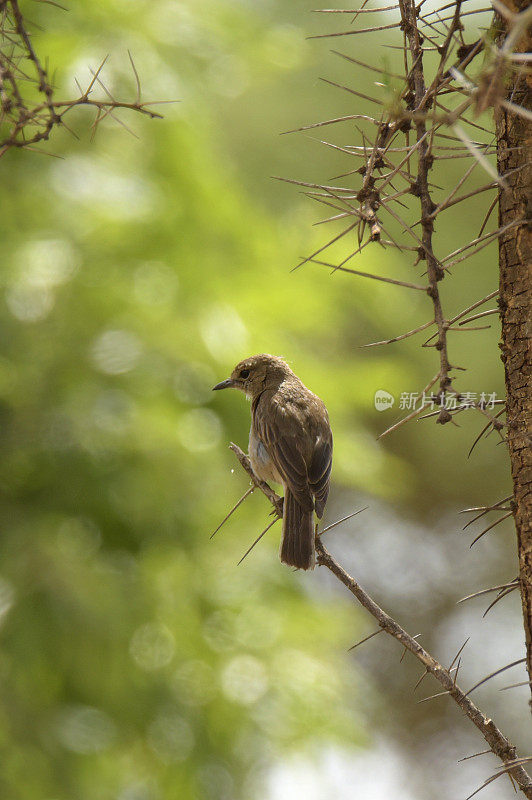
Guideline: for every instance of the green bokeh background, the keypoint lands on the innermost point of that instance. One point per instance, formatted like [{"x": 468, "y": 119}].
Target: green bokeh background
[{"x": 137, "y": 661}]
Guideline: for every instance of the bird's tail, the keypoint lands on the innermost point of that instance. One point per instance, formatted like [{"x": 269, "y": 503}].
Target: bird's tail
[{"x": 297, "y": 544}]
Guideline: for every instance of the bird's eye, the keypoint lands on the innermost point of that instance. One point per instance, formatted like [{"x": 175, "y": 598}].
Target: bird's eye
[{"x": 244, "y": 374}]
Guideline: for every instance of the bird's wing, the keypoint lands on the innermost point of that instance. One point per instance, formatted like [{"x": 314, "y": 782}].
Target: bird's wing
[
  {"x": 285, "y": 453},
  {"x": 319, "y": 471}
]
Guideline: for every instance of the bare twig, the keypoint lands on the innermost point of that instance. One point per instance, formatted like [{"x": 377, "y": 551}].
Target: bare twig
[
  {"x": 367, "y": 638},
  {"x": 244, "y": 496},
  {"x": 257, "y": 540},
  {"x": 28, "y": 120},
  {"x": 498, "y": 743},
  {"x": 496, "y": 740}
]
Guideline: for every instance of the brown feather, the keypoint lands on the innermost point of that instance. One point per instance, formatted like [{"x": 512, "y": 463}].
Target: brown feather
[{"x": 297, "y": 544}]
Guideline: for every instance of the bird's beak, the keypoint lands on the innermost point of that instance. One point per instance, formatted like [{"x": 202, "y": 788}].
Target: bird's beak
[{"x": 227, "y": 384}]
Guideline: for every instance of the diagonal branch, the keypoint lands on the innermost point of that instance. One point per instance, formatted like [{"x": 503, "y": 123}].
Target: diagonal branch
[{"x": 497, "y": 741}]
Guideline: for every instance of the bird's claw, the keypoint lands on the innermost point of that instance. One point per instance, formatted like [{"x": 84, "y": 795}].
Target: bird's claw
[{"x": 278, "y": 508}]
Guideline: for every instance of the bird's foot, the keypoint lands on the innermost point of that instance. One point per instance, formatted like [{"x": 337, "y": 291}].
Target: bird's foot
[{"x": 278, "y": 509}]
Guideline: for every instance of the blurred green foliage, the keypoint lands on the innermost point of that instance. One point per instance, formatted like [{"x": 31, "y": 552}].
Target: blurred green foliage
[{"x": 137, "y": 661}]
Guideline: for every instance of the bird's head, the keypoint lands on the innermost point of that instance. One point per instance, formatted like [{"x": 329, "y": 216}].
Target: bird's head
[{"x": 256, "y": 373}]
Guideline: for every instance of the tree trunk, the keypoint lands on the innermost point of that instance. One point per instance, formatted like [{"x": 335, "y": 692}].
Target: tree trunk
[{"x": 514, "y": 148}]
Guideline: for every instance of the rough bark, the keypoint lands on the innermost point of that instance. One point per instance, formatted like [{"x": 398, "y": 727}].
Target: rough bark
[{"x": 514, "y": 145}]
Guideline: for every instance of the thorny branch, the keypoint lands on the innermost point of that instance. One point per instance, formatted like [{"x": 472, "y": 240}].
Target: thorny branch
[
  {"x": 415, "y": 104},
  {"x": 29, "y": 109},
  {"x": 498, "y": 743},
  {"x": 413, "y": 129},
  {"x": 416, "y": 81}
]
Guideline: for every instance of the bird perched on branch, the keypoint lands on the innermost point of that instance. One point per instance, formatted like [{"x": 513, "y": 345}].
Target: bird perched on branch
[{"x": 290, "y": 442}]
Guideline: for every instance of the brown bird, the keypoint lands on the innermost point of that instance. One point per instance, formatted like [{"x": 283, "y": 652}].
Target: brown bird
[{"x": 290, "y": 442}]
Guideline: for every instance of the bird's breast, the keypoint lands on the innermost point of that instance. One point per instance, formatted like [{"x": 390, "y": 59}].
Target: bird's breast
[{"x": 262, "y": 464}]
